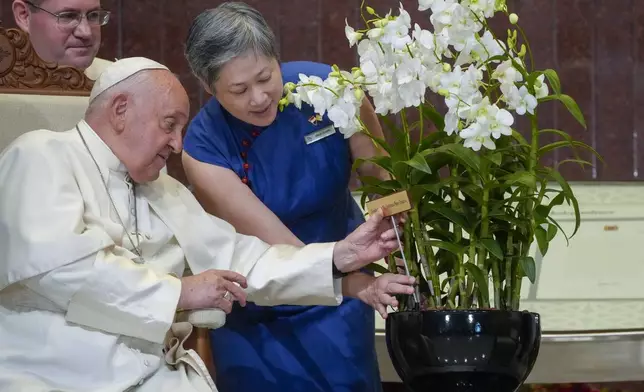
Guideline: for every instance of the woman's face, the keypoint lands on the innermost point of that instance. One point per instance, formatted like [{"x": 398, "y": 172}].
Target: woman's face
[{"x": 249, "y": 87}]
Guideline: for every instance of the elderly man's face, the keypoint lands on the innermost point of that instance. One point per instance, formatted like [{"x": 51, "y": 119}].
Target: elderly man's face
[
  {"x": 60, "y": 39},
  {"x": 153, "y": 125}
]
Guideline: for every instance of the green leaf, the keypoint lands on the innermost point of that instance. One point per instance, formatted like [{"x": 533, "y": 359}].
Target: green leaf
[
  {"x": 377, "y": 182},
  {"x": 570, "y": 104},
  {"x": 373, "y": 267},
  {"x": 581, "y": 162},
  {"x": 572, "y": 144},
  {"x": 573, "y": 108},
  {"x": 420, "y": 190},
  {"x": 493, "y": 247},
  {"x": 473, "y": 192},
  {"x": 383, "y": 162},
  {"x": 465, "y": 155},
  {"x": 380, "y": 142},
  {"x": 495, "y": 157},
  {"x": 453, "y": 216},
  {"x": 442, "y": 235},
  {"x": 432, "y": 115},
  {"x": 528, "y": 267},
  {"x": 418, "y": 162},
  {"x": 565, "y": 143},
  {"x": 557, "y": 200},
  {"x": 561, "y": 230},
  {"x": 552, "y": 232},
  {"x": 565, "y": 187},
  {"x": 519, "y": 138},
  {"x": 556, "y": 132},
  {"x": 553, "y": 78},
  {"x": 542, "y": 239},
  {"x": 522, "y": 177},
  {"x": 431, "y": 139},
  {"x": 369, "y": 189},
  {"x": 450, "y": 247},
  {"x": 480, "y": 279}
]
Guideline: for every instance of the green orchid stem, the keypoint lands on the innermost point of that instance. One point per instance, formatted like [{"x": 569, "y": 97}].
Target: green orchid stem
[
  {"x": 517, "y": 276},
  {"x": 403, "y": 118},
  {"x": 426, "y": 254},
  {"x": 420, "y": 137},
  {"x": 470, "y": 290},
  {"x": 391, "y": 264},
  {"x": 508, "y": 271},
  {"x": 485, "y": 223},
  {"x": 458, "y": 237},
  {"x": 407, "y": 248},
  {"x": 496, "y": 281}
]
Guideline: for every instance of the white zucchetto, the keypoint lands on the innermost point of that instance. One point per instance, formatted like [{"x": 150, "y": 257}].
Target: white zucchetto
[{"x": 120, "y": 70}]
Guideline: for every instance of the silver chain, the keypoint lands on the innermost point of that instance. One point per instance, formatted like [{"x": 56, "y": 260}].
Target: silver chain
[{"x": 107, "y": 190}]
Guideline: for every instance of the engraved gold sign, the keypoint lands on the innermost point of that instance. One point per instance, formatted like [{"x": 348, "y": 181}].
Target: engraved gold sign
[{"x": 392, "y": 204}]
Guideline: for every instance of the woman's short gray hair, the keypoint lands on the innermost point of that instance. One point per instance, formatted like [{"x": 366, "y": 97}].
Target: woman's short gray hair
[{"x": 218, "y": 35}]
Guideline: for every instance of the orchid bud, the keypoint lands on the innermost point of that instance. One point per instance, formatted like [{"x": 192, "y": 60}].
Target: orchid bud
[
  {"x": 444, "y": 92},
  {"x": 514, "y": 18},
  {"x": 446, "y": 67},
  {"x": 359, "y": 94},
  {"x": 370, "y": 11},
  {"x": 282, "y": 103},
  {"x": 335, "y": 74},
  {"x": 380, "y": 23},
  {"x": 523, "y": 50},
  {"x": 290, "y": 86}
]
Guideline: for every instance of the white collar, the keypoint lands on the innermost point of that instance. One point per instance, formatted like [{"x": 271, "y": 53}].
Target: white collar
[{"x": 104, "y": 156}]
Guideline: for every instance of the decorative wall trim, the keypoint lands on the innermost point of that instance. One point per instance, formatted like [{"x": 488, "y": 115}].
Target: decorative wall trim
[{"x": 23, "y": 72}]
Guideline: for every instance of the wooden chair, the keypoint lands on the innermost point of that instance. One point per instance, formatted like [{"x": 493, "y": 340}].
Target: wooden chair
[{"x": 34, "y": 95}]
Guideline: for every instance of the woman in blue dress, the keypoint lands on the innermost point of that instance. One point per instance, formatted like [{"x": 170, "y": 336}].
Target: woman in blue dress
[{"x": 281, "y": 176}]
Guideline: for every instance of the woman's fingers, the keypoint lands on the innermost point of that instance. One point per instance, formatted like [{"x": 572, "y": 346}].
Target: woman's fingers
[
  {"x": 397, "y": 288},
  {"x": 233, "y": 277},
  {"x": 380, "y": 308},
  {"x": 236, "y": 292}
]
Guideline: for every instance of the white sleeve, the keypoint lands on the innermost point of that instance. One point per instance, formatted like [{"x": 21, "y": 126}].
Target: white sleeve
[
  {"x": 276, "y": 275},
  {"x": 112, "y": 294}
]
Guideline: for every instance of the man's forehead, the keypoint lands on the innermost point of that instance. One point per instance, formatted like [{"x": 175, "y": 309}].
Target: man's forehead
[{"x": 61, "y": 5}]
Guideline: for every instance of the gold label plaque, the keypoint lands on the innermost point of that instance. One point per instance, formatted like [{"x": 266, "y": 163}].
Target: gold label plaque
[{"x": 393, "y": 204}]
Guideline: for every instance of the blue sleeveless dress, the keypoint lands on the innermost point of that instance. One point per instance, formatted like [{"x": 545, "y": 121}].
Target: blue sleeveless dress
[{"x": 290, "y": 348}]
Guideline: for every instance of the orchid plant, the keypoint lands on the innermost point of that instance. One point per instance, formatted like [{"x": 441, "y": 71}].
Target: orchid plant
[{"x": 479, "y": 190}]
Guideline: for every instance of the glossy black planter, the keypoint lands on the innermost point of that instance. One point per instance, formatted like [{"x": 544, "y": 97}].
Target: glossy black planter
[{"x": 463, "y": 351}]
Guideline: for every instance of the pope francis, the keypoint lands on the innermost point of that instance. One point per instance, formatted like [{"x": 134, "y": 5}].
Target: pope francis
[{"x": 94, "y": 241}]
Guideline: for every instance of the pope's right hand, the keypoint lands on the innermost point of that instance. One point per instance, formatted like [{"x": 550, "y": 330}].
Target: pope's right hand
[{"x": 212, "y": 289}]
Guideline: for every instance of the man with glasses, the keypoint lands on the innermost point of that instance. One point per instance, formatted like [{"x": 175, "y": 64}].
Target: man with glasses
[{"x": 66, "y": 32}]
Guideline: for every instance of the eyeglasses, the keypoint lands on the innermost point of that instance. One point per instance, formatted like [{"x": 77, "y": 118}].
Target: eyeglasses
[{"x": 71, "y": 19}]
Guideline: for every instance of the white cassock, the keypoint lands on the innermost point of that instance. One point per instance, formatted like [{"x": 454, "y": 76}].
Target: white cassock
[{"x": 77, "y": 311}]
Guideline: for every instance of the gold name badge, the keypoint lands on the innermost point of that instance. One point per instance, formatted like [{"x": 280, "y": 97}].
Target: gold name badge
[
  {"x": 392, "y": 204},
  {"x": 319, "y": 135}
]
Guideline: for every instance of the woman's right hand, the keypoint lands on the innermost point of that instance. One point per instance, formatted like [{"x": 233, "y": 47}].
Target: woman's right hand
[
  {"x": 377, "y": 292},
  {"x": 212, "y": 289}
]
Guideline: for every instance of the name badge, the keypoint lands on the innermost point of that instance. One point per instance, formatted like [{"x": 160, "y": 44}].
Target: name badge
[{"x": 319, "y": 134}]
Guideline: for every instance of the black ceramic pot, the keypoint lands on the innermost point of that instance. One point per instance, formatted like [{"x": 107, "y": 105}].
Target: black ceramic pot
[{"x": 463, "y": 351}]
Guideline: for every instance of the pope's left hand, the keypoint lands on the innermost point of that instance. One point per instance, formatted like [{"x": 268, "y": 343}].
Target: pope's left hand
[{"x": 370, "y": 242}]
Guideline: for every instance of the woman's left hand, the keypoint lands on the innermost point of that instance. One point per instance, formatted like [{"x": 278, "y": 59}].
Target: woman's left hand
[{"x": 380, "y": 292}]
